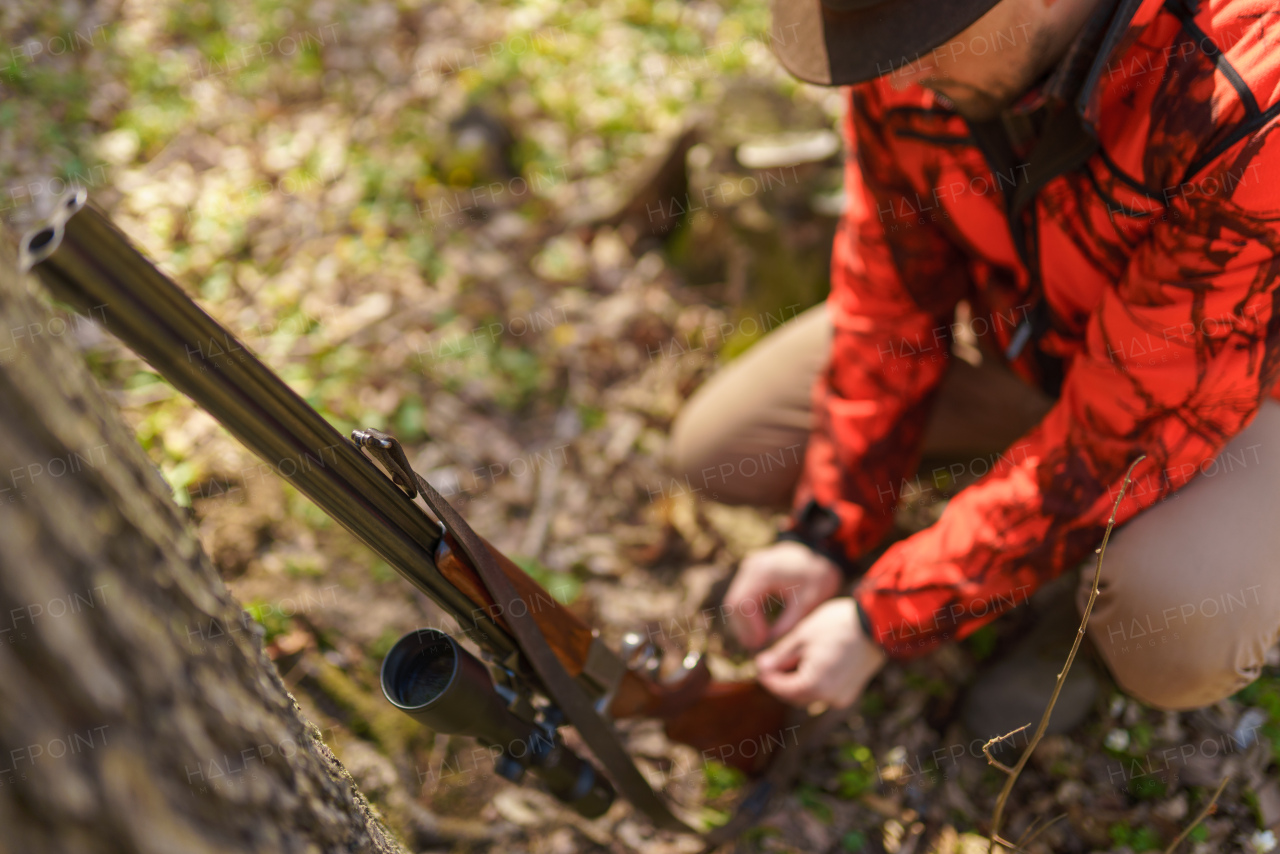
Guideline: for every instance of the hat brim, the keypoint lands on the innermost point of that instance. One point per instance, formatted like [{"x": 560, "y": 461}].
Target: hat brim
[{"x": 835, "y": 48}]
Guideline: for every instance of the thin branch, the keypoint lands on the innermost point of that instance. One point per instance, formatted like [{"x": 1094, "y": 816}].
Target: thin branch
[
  {"x": 1027, "y": 840},
  {"x": 1009, "y": 846},
  {"x": 1027, "y": 832},
  {"x": 1062, "y": 676},
  {"x": 991, "y": 760},
  {"x": 1208, "y": 808}
]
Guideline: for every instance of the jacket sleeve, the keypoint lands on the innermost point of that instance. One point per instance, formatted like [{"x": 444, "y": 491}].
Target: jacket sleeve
[
  {"x": 1178, "y": 356},
  {"x": 895, "y": 282}
]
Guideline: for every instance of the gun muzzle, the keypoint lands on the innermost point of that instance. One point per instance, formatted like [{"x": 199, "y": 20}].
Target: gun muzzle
[{"x": 433, "y": 680}]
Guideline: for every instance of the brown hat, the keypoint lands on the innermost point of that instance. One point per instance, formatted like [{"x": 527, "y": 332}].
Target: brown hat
[{"x": 837, "y": 42}]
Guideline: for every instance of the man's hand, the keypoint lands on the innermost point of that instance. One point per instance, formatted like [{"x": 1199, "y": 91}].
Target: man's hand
[
  {"x": 790, "y": 573},
  {"x": 827, "y": 658}
]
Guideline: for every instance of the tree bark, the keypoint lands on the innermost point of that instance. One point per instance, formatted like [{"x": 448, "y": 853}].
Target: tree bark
[{"x": 138, "y": 711}]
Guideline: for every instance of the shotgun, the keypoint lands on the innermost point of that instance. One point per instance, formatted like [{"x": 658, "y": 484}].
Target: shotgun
[{"x": 543, "y": 666}]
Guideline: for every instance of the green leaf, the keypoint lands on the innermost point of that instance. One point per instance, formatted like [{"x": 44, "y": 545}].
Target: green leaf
[
  {"x": 853, "y": 841},
  {"x": 714, "y": 818},
  {"x": 141, "y": 379},
  {"x": 269, "y": 617},
  {"x": 564, "y": 587},
  {"x": 856, "y": 753},
  {"x": 1147, "y": 788},
  {"x": 864, "y": 773},
  {"x": 306, "y": 566},
  {"x": 811, "y": 799},
  {"x": 720, "y": 779},
  {"x": 982, "y": 643},
  {"x": 380, "y": 647},
  {"x": 1145, "y": 839},
  {"x": 592, "y": 418},
  {"x": 409, "y": 420}
]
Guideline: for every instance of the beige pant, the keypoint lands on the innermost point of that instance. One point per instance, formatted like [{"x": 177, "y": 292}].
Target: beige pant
[{"x": 1189, "y": 602}]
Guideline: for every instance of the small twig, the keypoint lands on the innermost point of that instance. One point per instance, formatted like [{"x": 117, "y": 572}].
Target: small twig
[
  {"x": 1208, "y": 808},
  {"x": 1062, "y": 677},
  {"x": 1027, "y": 840},
  {"x": 1009, "y": 846},
  {"x": 996, "y": 762},
  {"x": 991, "y": 760},
  {"x": 1021, "y": 839}
]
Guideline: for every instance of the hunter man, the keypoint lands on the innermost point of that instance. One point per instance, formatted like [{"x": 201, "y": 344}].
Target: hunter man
[{"x": 1099, "y": 181}]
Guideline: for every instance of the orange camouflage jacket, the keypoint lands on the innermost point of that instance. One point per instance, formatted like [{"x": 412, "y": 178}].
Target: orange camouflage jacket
[{"x": 1117, "y": 240}]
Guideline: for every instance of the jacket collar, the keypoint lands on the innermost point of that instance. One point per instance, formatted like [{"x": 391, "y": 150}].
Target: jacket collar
[
  {"x": 1124, "y": 17},
  {"x": 1078, "y": 76}
]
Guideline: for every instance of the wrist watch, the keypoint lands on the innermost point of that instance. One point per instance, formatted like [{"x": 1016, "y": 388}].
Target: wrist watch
[{"x": 816, "y": 527}]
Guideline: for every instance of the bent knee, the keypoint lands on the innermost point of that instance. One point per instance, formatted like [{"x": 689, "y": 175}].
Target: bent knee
[
  {"x": 1174, "y": 683},
  {"x": 691, "y": 444},
  {"x": 726, "y": 461},
  {"x": 1169, "y": 663},
  {"x": 1166, "y": 650}
]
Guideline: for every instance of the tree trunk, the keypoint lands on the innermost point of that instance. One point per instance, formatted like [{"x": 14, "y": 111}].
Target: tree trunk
[{"x": 138, "y": 711}]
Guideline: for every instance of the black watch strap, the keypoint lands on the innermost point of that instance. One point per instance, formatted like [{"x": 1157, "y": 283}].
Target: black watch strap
[{"x": 816, "y": 526}]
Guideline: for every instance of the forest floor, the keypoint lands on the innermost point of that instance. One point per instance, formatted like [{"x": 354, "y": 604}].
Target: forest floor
[{"x": 519, "y": 235}]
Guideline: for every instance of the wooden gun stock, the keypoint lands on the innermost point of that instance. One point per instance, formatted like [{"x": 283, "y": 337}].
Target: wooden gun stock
[{"x": 718, "y": 719}]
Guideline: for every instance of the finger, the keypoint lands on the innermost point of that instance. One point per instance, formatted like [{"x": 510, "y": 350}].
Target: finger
[
  {"x": 747, "y": 624},
  {"x": 790, "y": 671},
  {"x": 795, "y": 611},
  {"x": 793, "y": 687},
  {"x": 751, "y": 629},
  {"x": 786, "y": 621},
  {"x": 798, "y": 607},
  {"x": 785, "y": 654}
]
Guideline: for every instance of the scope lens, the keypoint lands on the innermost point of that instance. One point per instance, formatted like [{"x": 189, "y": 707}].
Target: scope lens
[{"x": 421, "y": 669}]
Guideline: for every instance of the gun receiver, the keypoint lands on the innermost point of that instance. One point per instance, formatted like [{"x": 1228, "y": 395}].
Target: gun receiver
[{"x": 89, "y": 264}]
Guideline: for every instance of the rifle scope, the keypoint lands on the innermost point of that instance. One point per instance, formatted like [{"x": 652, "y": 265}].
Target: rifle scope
[{"x": 433, "y": 680}]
